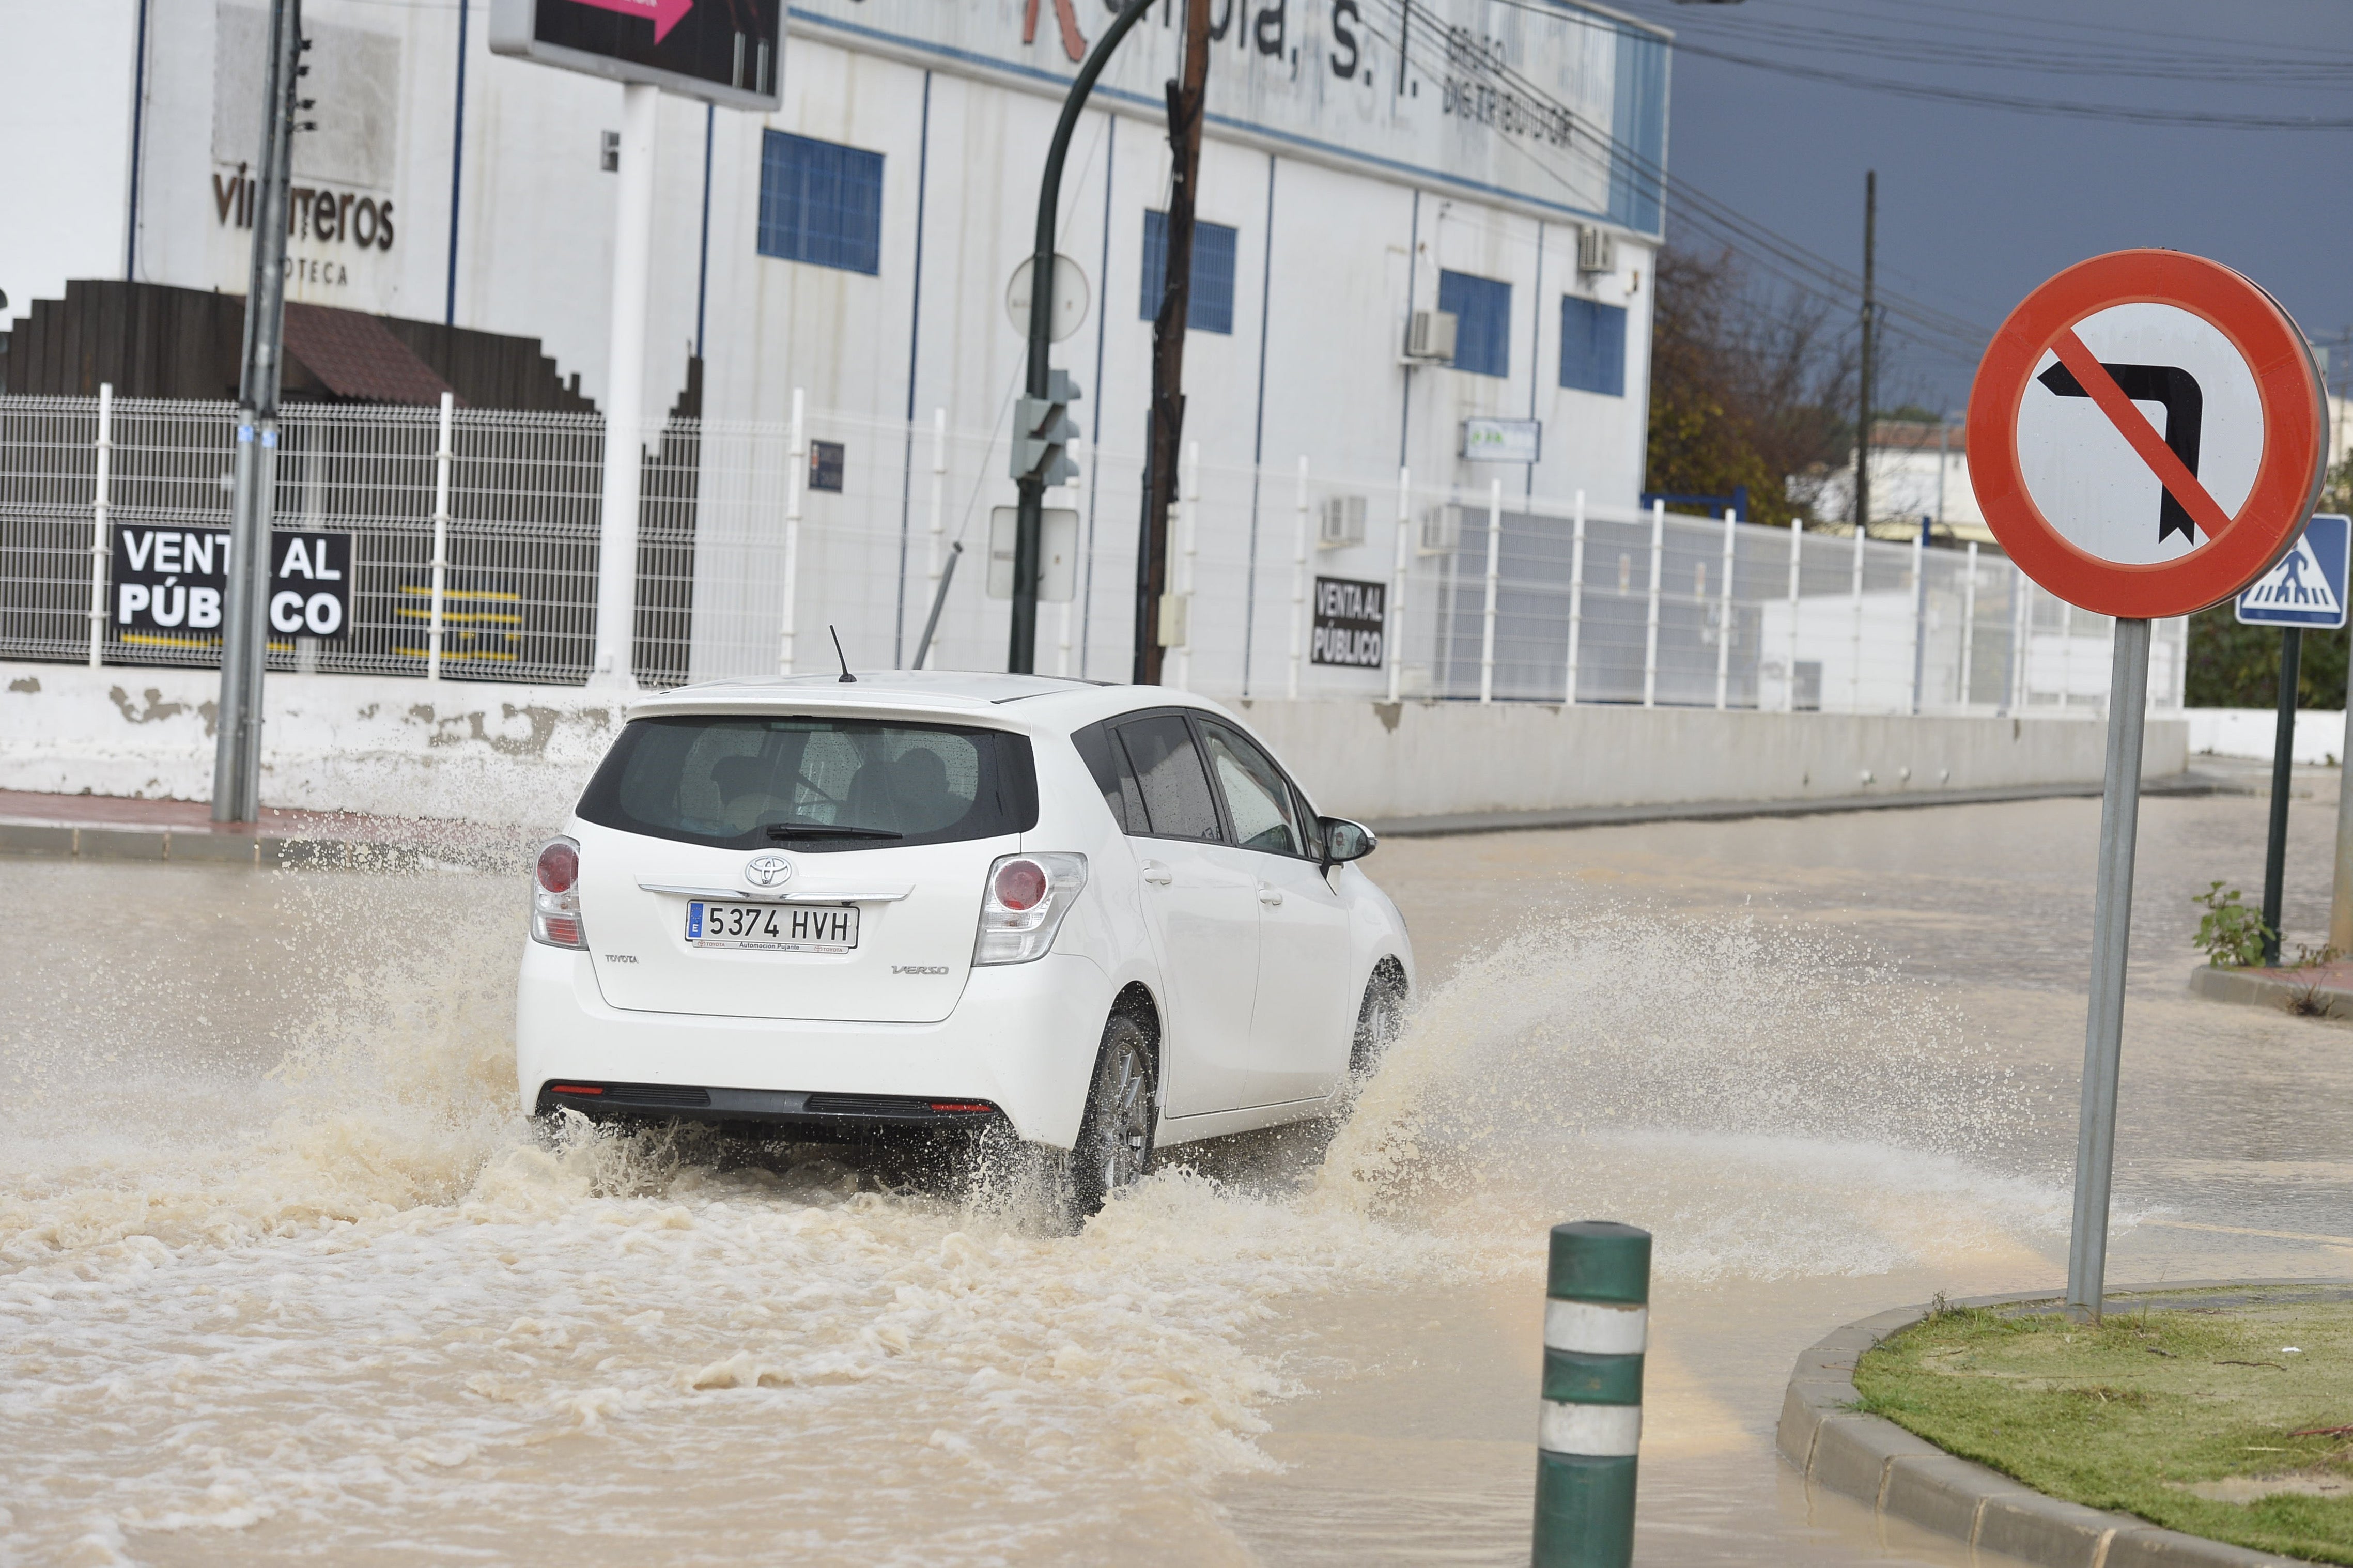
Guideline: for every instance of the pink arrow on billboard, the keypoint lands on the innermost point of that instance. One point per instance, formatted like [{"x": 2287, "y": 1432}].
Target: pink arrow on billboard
[{"x": 665, "y": 13}]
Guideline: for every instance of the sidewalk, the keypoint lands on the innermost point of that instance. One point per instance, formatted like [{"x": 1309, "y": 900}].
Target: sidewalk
[{"x": 113, "y": 828}]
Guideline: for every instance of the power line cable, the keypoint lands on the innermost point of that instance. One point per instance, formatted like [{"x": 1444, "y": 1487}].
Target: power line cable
[
  {"x": 2122, "y": 113},
  {"x": 1938, "y": 330},
  {"x": 2066, "y": 60},
  {"x": 2212, "y": 119}
]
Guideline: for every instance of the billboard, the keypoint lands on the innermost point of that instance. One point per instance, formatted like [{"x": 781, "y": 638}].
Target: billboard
[
  {"x": 168, "y": 584},
  {"x": 1550, "y": 106},
  {"x": 1351, "y": 623},
  {"x": 723, "y": 52}
]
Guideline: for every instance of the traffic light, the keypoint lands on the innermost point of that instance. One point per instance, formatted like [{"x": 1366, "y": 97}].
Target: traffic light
[{"x": 1043, "y": 429}]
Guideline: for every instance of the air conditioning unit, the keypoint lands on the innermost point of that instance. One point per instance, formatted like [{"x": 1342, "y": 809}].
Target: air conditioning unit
[
  {"x": 1597, "y": 251},
  {"x": 1430, "y": 336},
  {"x": 1441, "y": 530},
  {"x": 1340, "y": 522}
]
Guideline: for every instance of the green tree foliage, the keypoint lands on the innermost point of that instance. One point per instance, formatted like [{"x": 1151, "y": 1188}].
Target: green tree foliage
[
  {"x": 1743, "y": 390},
  {"x": 2231, "y": 666}
]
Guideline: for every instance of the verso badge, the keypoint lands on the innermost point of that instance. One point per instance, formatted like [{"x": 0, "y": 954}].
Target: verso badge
[{"x": 768, "y": 871}]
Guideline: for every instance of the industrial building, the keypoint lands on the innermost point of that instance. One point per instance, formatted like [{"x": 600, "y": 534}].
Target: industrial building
[{"x": 1414, "y": 216}]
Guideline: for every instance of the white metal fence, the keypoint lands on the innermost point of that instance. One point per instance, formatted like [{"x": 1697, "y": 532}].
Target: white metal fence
[{"x": 755, "y": 539}]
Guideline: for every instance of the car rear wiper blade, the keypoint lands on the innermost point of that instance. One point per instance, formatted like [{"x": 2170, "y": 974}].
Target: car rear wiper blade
[{"x": 820, "y": 830}]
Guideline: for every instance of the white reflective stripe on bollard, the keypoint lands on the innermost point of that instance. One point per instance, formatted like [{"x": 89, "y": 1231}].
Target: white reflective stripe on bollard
[
  {"x": 1596, "y": 1327},
  {"x": 1597, "y": 1431}
]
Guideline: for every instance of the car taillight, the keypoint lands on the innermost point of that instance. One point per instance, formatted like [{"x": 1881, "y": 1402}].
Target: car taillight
[
  {"x": 1019, "y": 884},
  {"x": 559, "y": 866},
  {"x": 555, "y": 896},
  {"x": 1026, "y": 898}
]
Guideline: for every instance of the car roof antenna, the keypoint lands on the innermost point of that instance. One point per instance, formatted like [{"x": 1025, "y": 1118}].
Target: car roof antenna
[{"x": 847, "y": 678}]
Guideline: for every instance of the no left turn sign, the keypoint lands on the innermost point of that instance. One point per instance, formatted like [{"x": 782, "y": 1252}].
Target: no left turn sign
[{"x": 2145, "y": 433}]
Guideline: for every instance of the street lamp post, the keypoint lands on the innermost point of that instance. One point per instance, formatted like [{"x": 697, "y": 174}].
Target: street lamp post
[{"x": 1041, "y": 429}]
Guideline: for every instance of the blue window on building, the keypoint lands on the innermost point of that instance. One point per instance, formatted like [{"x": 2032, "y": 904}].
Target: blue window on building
[
  {"x": 1592, "y": 346},
  {"x": 1210, "y": 307},
  {"x": 1482, "y": 322},
  {"x": 820, "y": 202}
]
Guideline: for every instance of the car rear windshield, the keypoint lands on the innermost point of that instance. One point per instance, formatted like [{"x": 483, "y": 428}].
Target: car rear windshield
[{"x": 751, "y": 780}]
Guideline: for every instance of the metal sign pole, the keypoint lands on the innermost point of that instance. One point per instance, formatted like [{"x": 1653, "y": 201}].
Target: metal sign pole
[
  {"x": 236, "y": 754},
  {"x": 2095, "y": 1137},
  {"x": 2283, "y": 766},
  {"x": 2341, "y": 895}
]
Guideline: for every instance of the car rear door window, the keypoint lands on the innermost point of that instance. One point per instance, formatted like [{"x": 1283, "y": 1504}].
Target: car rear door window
[
  {"x": 746, "y": 781},
  {"x": 1107, "y": 765},
  {"x": 1256, "y": 795},
  {"x": 1172, "y": 785}
]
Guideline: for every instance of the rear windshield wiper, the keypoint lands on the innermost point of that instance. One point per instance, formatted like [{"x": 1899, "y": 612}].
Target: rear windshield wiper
[{"x": 819, "y": 830}]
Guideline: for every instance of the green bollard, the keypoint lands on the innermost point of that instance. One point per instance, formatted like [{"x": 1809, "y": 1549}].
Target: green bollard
[{"x": 1596, "y": 1322}]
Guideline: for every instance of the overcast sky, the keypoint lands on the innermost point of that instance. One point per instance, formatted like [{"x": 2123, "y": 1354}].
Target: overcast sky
[{"x": 1977, "y": 205}]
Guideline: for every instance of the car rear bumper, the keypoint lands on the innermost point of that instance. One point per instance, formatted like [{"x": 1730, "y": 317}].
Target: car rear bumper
[
  {"x": 836, "y": 1117},
  {"x": 1022, "y": 1039}
]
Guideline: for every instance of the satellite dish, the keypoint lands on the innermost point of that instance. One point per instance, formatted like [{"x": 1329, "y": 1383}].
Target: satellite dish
[{"x": 1070, "y": 302}]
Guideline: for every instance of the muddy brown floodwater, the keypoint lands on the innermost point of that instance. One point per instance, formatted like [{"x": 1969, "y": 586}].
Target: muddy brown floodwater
[{"x": 283, "y": 1274}]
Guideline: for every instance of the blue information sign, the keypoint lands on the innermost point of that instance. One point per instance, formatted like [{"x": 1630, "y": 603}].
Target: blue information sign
[{"x": 2307, "y": 587}]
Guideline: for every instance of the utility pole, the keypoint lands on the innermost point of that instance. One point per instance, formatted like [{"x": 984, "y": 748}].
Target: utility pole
[
  {"x": 1862, "y": 423},
  {"x": 1041, "y": 425},
  {"x": 1168, "y": 425},
  {"x": 244, "y": 626}
]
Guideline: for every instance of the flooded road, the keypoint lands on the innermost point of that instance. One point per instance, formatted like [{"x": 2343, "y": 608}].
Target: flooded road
[{"x": 281, "y": 1272}]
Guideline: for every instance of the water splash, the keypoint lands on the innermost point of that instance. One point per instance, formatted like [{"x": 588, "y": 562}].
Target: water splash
[
  {"x": 1709, "y": 1079},
  {"x": 389, "y": 1298}
]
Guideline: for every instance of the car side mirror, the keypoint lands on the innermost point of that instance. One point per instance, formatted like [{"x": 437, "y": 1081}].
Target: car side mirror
[{"x": 1344, "y": 840}]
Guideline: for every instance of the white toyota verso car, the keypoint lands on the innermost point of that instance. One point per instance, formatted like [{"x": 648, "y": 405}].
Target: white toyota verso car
[{"x": 1103, "y": 919}]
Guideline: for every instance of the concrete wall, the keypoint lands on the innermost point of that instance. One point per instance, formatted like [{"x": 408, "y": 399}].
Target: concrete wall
[
  {"x": 1426, "y": 758},
  {"x": 330, "y": 742},
  {"x": 520, "y": 753},
  {"x": 2249, "y": 732}
]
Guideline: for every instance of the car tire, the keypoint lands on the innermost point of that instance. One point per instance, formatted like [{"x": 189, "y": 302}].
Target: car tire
[
  {"x": 1114, "y": 1148},
  {"x": 1380, "y": 1019}
]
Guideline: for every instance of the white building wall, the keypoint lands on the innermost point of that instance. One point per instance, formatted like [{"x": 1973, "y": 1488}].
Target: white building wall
[
  {"x": 65, "y": 123},
  {"x": 1330, "y": 258},
  {"x": 1904, "y": 488},
  {"x": 534, "y": 252}
]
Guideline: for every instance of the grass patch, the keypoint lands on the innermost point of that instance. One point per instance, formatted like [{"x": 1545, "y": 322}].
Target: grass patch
[{"x": 2230, "y": 1422}]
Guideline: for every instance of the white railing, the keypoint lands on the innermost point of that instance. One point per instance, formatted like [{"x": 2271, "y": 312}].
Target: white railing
[{"x": 477, "y": 543}]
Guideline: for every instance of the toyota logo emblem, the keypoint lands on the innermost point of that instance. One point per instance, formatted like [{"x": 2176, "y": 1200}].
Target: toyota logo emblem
[{"x": 768, "y": 871}]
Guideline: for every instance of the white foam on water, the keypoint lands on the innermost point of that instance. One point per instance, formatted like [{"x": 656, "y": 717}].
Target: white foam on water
[{"x": 387, "y": 1320}]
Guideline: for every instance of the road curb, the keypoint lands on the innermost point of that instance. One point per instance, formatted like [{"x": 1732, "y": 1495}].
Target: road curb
[
  {"x": 2272, "y": 988},
  {"x": 1901, "y": 1476},
  {"x": 2187, "y": 784}
]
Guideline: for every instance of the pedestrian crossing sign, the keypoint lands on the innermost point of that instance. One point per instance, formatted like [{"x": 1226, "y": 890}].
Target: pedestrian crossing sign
[{"x": 2307, "y": 587}]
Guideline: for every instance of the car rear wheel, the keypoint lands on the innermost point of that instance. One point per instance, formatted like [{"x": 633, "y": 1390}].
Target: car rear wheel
[{"x": 1114, "y": 1143}]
